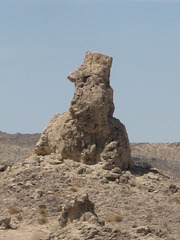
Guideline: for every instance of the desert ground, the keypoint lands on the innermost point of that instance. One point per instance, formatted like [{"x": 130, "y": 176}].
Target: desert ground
[{"x": 143, "y": 203}]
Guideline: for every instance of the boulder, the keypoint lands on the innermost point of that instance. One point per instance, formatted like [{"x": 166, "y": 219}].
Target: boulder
[
  {"x": 75, "y": 209},
  {"x": 88, "y": 132}
]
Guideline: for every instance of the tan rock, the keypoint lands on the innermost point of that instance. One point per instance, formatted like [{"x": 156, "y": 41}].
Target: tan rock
[
  {"x": 75, "y": 209},
  {"x": 88, "y": 132}
]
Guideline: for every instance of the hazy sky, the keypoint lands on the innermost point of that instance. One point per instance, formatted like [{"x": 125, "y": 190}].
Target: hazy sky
[{"x": 41, "y": 41}]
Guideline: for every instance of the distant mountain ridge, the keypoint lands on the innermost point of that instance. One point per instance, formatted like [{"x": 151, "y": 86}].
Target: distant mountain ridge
[
  {"x": 165, "y": 156},
  {"x": 15, "y": 147}
]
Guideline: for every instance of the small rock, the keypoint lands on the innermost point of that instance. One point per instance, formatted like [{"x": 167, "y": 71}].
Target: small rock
[
  {"x": 107, "y": 166},
  {"x": 145, "y": 230},
  {"x": 5, "y": 222},
  {"x": 173, "y": 188},
  {"x": 151, "y": 189},
  {"x": 110, "y": 176},
  {"x": 116, "y": 170},
  {"x": 38, "y": 194},
  {"x": 27, "y": 185},
  {"x": 125, "y": 177},
  {"x": 81, "y": 171},
  {"x": 111, "y": 146},
  {"x": 55, "y": 162},
  {"x": 3, "y": 167}
]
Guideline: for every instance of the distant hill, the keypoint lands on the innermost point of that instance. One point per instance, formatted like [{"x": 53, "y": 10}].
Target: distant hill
[
  {"x": 165, "y": 156},
  {"x": 15, "y": 147}
]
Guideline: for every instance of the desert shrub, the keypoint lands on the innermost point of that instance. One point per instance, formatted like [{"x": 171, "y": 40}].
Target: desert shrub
[
  {"x": 159, "y": 208},
  {"x": 166, "y": 225},
  {"x": 174, "y": 200},
  {"x": 127, "y": 207},
  {"x": 113, "y": 218},
  {"x": 74, "y": 188},
  {"x": 42, "y": 220},
  {"x": 149, "y": 217},
  {"x": 13, "y": 210},
  {"x": 134, "y": 210},
  {"x": 42, "y": 211},
  {"x": 19, "y": 218}
]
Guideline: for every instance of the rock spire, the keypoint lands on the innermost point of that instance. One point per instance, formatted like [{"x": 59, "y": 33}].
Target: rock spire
[{"x": 88, "y": 132}]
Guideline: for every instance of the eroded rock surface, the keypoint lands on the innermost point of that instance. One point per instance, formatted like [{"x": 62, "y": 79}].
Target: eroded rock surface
[
  {"x": 136, "y": 205},
  {"x": 79, "y": 220},
  {"x": 88, "y": 132},
  {"x": 76, "y": 209}
]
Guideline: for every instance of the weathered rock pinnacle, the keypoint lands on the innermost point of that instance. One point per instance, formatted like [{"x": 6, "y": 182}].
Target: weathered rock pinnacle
[{"x": 88, "y": 132}]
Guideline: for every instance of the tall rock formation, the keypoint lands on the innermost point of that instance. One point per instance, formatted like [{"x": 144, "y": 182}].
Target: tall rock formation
[{"x": 88, "y": 132}]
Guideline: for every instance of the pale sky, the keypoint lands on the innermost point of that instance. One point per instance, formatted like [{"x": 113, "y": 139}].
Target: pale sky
[{"x": 41, "y": 41}]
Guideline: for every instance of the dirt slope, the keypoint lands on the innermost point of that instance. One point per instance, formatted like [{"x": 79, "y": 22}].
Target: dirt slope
[{"x": 139, "y": 204}]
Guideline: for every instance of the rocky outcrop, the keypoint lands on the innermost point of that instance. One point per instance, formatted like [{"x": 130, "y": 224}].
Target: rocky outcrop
[
  {"x": 79, "y": 220},
  {"x": 88, "y": 132},
  {"x": 76, "y": 209}
]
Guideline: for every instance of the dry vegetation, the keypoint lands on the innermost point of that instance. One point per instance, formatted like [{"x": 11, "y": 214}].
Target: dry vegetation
[{"x": 113, "y": 218}]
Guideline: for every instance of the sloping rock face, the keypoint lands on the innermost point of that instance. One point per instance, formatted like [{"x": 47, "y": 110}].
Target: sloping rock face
[{"x": 88, "y": 132}]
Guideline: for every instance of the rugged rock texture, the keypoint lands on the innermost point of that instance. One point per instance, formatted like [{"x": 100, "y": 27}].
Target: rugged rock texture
[
  {"x": 138, "y": 205},
  {"x": 76, "y": 209},
  {"x": 88, "y": 132}
]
